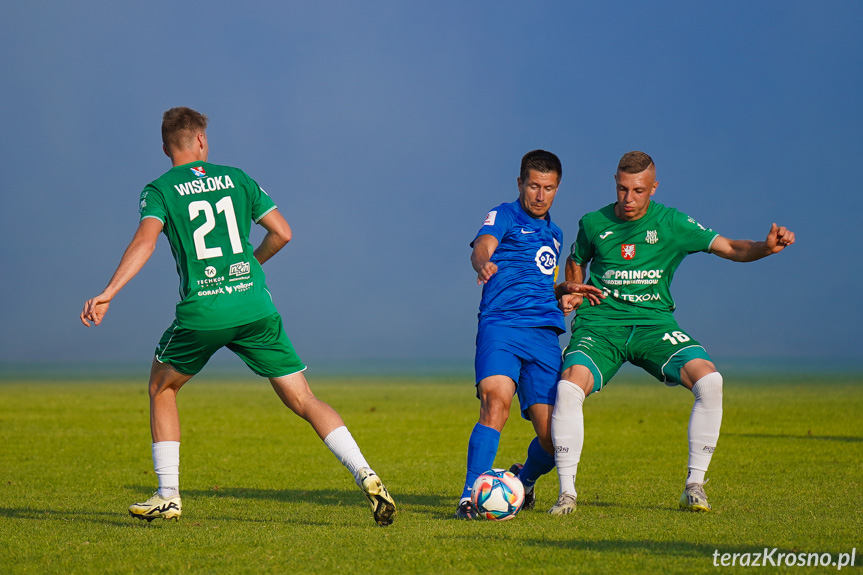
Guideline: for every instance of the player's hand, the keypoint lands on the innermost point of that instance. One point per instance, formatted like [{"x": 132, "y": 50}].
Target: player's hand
[
  {"x": 569, "y": 302},
  {"x": 593, "y": 294},
  {"x": 484, "y": 274},
  {"x": 778, "y": 238},
  {"x": 95, "y": 309}
]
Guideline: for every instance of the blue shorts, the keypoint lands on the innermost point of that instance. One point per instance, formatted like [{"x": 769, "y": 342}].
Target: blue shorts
[{"x": 530, "y": 356}]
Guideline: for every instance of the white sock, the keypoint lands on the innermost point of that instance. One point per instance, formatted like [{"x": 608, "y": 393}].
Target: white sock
[
  {"x": 166, "y": 463},
  {"x": 342, "y": 444},
  {"x": 704, "y": 424},
  {"x": 567, "y": 433}
]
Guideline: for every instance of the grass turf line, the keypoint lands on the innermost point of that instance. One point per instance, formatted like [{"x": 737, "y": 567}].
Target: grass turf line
[{"x": 261, "y": 493}]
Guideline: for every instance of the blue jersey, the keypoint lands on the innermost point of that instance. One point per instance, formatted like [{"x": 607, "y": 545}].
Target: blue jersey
[{"x": 521, "y": 293}]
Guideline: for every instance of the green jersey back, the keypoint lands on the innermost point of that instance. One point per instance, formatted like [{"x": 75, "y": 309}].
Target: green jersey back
[
  {"x": 207, "y": 211},
  {"x": 633, "y": 262}
]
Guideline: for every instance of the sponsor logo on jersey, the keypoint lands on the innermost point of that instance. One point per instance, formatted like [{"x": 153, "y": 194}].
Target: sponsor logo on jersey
[
  {"x": 604, "y": 235},
  {"x": 489, "y": 218},
  {"x": 627, "y": 251},
  {"x": 209, "y": 292},
  {"x": 241, "y": 287},
  {"x": 524, "y": 231},
  {"x": 652, "y": 237},
  {"x": 631, "y": 277},
  {"x": 208, "y": 185},
  {"x": 636, "y": 298},
  {"x": 239, "y": 269},
  {"x": 199, "y": 171},
  {"x": 546, "y": 260},
  {"x": 210, "y": 271},
  {"x": 211, "y": 281}
]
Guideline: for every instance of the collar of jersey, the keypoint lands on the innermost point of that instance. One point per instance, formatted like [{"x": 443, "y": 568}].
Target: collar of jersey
[{"x": 201, "y": 162}]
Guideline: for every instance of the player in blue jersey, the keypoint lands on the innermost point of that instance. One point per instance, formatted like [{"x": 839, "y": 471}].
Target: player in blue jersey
[{"x": 515, "y": 257}]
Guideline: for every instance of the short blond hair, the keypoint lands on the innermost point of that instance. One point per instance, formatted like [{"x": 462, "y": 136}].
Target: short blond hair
[
  {"x": 634, "y": 163},
  {"x": 179, "y": 127}
]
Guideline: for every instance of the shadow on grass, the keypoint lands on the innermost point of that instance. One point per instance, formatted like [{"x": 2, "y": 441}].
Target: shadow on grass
[
  {"x": 119, "y": 518},
  {"x": 616, "y": 505},
  {"x": 319, "y": 496},
  {"x": 840, "y": 438},
  {"x": 104, "y": 517},
  {"x": 429, "y": 505}
]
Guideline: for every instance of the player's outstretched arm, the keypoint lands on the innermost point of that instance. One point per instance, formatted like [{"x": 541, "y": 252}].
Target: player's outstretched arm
[
  {"x": 480, "y": 258},
  {"x": 778, "y": 238},
  {"x": 278, "y": 235},
  {"x": 136, "y": 255},
  {"x": 571, "y": 293}
]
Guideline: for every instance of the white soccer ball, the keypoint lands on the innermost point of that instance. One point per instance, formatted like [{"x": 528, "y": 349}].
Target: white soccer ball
[{"x": 497, "y": 494}]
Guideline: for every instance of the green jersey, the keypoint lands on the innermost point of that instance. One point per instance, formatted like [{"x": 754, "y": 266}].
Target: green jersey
[
  {"x": 206, "y": 211},
  {"x": 633, "y": 262}
]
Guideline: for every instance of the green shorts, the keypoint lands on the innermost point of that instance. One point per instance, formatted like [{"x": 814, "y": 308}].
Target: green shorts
[
  {"x": 262, "y": 344},
  {"x": 661, "y": 350}
]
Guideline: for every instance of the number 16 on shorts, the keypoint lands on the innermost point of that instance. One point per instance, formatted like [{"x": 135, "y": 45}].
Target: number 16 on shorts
[{"x": 676, "y": 337}]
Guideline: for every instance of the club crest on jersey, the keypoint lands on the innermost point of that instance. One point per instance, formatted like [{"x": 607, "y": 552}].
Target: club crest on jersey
[
  {"x": 652, "y": 237},
  {"x": 546, "y": 260},
  {"x": 199, "y": 171},
  {"x": 627, "y": 251}
]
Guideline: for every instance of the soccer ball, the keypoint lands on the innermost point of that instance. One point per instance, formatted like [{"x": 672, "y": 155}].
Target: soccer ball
[{"x": 497, "y": 494}]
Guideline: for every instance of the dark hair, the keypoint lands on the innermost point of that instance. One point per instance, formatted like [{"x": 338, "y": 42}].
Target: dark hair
[
  {"x": 634, "y": 163},
  {"x": 180, "y": 125},
  {"x": 540, "y": 161}
]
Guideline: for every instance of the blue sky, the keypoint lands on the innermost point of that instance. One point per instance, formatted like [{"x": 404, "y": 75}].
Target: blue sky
[{"x": 386, "y": 130}]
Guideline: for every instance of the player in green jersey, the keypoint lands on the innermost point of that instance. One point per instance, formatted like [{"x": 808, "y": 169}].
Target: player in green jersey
[
  {"x": 634, "y": 247},
  {"x": 206, "y": 211}
]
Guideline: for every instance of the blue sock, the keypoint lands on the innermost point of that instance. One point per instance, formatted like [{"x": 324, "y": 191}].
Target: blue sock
[
  {"x": 481, "y": 450},
  {"x": 539, "y": 462}
]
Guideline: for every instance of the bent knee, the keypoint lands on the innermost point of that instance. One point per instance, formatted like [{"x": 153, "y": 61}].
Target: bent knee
[
  {"x": 708, "y": 390},
  {"x": 570, "y": 396},
  {"x": 579, "y": 376}
]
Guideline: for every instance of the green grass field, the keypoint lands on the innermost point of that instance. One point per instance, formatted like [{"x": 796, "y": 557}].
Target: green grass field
[{"x": 261, "y": 493}]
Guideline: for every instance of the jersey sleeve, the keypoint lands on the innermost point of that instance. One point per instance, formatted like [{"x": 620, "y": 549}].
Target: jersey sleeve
[
  {"x": 262, "y": 203},
  {"x": 152, "y": 204},
  {"x": 497, "y": 223},
  {"x": 690, "y": 235},
  {"x": 581, "y": 251}
]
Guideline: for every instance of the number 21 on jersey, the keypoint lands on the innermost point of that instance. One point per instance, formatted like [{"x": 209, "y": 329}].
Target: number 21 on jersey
[{"x": 224, "y": 206}]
